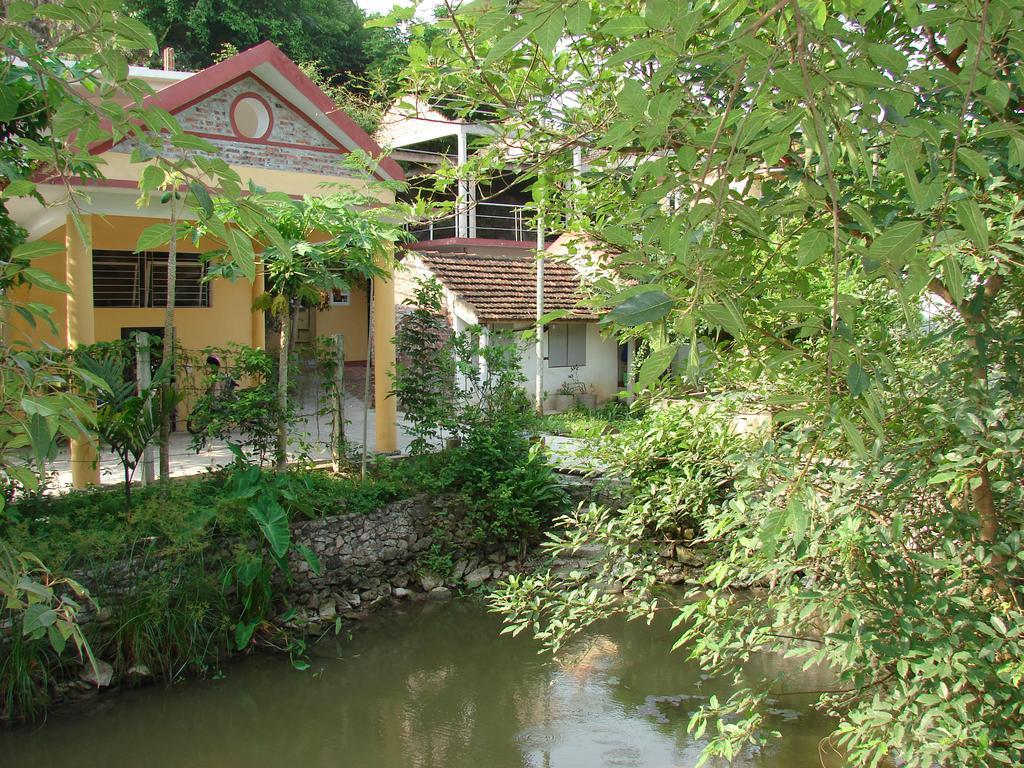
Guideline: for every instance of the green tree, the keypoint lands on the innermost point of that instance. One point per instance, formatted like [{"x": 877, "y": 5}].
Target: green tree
[
  {"x": 323, "y": 244},
  {"x": 827, "y": 198},
  {"x": 125, "y": 420},
  {"x": 64, "y": 88},
  {"x": 328, "y": 32}
]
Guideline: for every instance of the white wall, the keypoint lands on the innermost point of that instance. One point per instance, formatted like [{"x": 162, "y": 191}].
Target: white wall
[{"x": 600, "y": 374}]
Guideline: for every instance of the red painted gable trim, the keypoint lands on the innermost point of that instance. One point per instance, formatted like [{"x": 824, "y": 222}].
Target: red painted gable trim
[
  {"x": 267, "y": 143},
  {"x": 187, "y": 92}
]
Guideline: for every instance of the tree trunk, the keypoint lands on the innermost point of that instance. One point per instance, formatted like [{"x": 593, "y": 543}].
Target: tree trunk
[
  {"x": 168, "y": 348},
  {"x": 281, "y": 456},
  {"x": 366, "y": 378},
  {"x": 128, "y": 489},
  {"x": 981, "y": 496}
]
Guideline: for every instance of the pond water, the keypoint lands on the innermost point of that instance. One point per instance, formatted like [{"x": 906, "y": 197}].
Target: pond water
[{"x": 430, "y": 686}]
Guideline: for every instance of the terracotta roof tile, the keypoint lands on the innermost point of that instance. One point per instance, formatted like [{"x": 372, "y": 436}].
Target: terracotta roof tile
[{"x": 504, "y": 288}]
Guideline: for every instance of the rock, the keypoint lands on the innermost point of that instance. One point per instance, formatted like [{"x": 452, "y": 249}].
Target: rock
[
  {"x": 672, "y": 577},
  {"x": 478, "y": 576},
  {"x": 328, "y": 611},
  {"x": 668, "y": 551},
  {"x": 401, "y": 593},
  {"x": 497, "y": 557},
  {"x": 689, "y": 534},
  {"x": 613, "y": 588},
  {"x": 139, "y": 672},
  {"x": 689, "y": 557},
  {"x": 101, "y": 676},
  {"x": 460, "y": 569},
  {"x": 430, "y": 581},
  {"x": 440, "y": 593}
]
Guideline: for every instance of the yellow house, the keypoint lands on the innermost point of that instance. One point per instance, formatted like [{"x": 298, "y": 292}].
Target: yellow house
[{"x": 273, "y": 126}]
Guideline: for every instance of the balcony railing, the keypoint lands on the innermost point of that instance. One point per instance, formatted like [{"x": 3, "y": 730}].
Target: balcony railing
[{"x": 485, "y": 220}]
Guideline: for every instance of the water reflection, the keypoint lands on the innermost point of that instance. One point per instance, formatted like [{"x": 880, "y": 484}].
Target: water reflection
[{"x": 434, "y": 686}]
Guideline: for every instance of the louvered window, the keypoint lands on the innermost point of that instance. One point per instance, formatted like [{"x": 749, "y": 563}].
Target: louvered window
[{"x": 125, "y": 279}]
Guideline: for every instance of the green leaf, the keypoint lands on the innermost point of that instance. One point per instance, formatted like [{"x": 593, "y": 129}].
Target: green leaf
[
  {"x": 44, "y": 280},
  {"x": 646, "y": 307},
  {"x": 510, "y": 40},
  {"x": 853, "y": 436},
  {"x": 655, "y": 365},
  {"x": 311, "y": 558},
  {"x": 771, "y": 529},
  {"x": 577, "y": 17},
  {"x": 953, "y": 277},
  {"x": 813, "y": 245},
  {"x": 19, "y": 188},
  {"x": 549, "y": 33},
  {"x": 202, "y": 196},
  {"x": 189, "y": 141},
  {"x": 57, "y": 641},
  {"x": 973, "y": 221},
  {"x": 9, "y": 102},
  {"x": 727, "y": 316},
  {"x": 241, "y": 250},
  {"x": 894, "y": 246},
  {"x": 625, "y": 26},
  {"x": 273, "y": 522},
  {"x": 35, "y": 249},
  {"x": 857, "y": 379},
  {"x": 243, "y": 633},
  {"x": 658, "y": 13},
  {"x": 153, "y": 236},
  {"x": 36, "y": 618},
  {"x": 152, "y": 177},
  {"x": 555, "y": 314},
  {"x": 975, "y": 161}
]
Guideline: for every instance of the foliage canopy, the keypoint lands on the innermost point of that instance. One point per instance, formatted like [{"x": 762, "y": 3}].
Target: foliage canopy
[{"x": 819, "y": 206}]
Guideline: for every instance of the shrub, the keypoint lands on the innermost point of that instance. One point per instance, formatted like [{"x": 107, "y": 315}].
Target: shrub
[
  {"x": 424, "y": 378},
  {"x": 678, "y": 461}
]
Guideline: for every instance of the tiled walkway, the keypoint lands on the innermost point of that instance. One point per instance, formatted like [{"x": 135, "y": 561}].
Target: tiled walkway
[{"x": 311, "y": 436}]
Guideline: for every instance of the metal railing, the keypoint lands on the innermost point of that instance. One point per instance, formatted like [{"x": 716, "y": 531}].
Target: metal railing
[{"x": 485, "y": 220}]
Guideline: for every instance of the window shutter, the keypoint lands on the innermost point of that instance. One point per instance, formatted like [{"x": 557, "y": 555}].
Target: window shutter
[
  {"x": 558, "y": 346},
  {"x": 576, "y": 344}
]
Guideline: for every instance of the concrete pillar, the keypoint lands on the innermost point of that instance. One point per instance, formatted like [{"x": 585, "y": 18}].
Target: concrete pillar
[
  {"x": 462, "y": 205},
  {"x": 630, "y": 373},
  {"x": 386, "y": 419},
  {"x": 259, "y": 327},
  {"x": 81, "y": 329}
]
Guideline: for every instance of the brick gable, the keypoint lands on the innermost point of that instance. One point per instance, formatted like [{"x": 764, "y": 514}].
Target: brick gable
[{"x": 293, "y": 144}]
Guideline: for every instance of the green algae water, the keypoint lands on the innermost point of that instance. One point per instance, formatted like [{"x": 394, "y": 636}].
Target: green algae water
[{"x": 433, "y": 685}]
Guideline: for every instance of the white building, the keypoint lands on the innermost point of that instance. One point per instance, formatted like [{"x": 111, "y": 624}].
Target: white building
[{"x": 482, "y": 250}]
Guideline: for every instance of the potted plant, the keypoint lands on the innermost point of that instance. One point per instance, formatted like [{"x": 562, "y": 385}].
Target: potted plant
[
  {"x": 586, "y": 399},
  {"x": 564, "y": 398},
  {"x": 580, "y": 392}
]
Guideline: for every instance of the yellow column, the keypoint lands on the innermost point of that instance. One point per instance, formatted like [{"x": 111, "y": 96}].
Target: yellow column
[
  {"x": 85, "y": 467},
  {"x": 386, "y": 424},
  {"x": 259, "y": 328}
]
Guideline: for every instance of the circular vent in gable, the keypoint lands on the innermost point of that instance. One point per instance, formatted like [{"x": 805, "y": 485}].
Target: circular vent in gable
[{"x": 251, "y": 117}]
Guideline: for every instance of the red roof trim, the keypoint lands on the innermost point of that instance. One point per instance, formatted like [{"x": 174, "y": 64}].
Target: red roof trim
[
  {"x": 214, "y": 78},
  {"x": 428, "y": 245}
]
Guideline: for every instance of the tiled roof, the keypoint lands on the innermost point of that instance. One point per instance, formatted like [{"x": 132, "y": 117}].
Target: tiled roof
[{"x": 504, "y": 288}]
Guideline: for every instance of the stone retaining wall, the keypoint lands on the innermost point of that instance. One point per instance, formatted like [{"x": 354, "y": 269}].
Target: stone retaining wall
[{"x": 367, "y": 560}]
